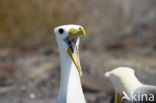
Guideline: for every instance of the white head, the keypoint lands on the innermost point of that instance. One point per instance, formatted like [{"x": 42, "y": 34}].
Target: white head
[
  {"x": 124, "y": 80},
  {"x": 118, "y": 75},
  {"x": 67, "y": 37}
]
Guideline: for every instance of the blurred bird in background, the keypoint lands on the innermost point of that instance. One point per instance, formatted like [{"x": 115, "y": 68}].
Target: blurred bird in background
[{"x": 128, "y": 89}]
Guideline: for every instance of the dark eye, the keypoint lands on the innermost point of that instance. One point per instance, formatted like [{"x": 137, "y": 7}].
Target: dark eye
[
  {"x": 61, "y": 31},
  {"x": 79, "y": 27}
]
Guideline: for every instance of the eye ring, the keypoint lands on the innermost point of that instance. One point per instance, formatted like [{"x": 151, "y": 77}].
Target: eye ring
[{"x": 61, "y": 31}]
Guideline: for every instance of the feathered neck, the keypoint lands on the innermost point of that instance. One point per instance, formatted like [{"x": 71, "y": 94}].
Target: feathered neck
[
  {"x": 130, "y": 85},
  {"x": 70, "y": 84}
]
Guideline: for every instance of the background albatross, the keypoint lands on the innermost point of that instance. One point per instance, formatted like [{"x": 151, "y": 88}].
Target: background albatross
[
  {"x": 67, "y": 37},
  {"x": 128, "y": 89}
]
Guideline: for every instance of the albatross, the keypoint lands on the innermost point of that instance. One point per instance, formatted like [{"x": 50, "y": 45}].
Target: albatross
[
  {"x": 128, "y": 89},
  {"x": 68, "y": 38}
]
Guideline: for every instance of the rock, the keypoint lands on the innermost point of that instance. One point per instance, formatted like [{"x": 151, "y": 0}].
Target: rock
[
  {"x": 6, "y": 89},
  {"x": 90, "y": 97},
  {"x": 41, "y": 71},
  {"x": 41, "y": 101},
  {"x": 122, "y": 44},
  {"x": 47, "y": 51},
  {"x": 100, "y": 97},
  {"x": 104, "y": 98},
  {"x": 7, "y": 70},
  {"x": 91, "y": 83}
]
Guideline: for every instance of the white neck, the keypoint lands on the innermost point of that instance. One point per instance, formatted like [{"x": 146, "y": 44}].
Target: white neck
[
  {"x": 70, "y": 84},
  {"x": 130, "y": 85}
]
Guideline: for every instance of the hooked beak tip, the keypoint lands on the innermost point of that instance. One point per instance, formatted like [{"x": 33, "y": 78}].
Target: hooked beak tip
[
  {"x": 83, "y": 32},
  {"x": 75, "y": 33}
]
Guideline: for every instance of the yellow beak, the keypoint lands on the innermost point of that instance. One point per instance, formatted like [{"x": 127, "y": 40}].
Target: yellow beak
[
  {"x": 118, "y": 98},
  {"x": 75, "y": 33}
]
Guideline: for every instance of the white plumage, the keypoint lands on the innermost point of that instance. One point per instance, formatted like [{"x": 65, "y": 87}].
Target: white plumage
[
  {"x": 67, "y": 37},
  {"x": 128, "y": 88}
]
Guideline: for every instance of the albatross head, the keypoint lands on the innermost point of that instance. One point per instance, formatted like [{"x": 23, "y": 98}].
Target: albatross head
[
  {"x": 67, "y": 37},
  {"x": 124, "y": 81},
  {"x": 119, "y": 76}
]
